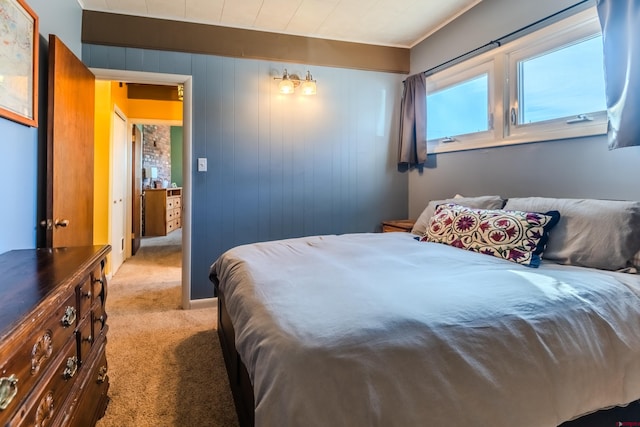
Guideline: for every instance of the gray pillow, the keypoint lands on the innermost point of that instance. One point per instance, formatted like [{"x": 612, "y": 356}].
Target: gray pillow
[
  {"x": 480, "y": 202},
  {"x": 592, "y": 233}
]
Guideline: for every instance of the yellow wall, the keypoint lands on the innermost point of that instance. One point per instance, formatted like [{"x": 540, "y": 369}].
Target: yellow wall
[
  {"x": 108, "y": 95},
  {"x": 155, "y": 110}
]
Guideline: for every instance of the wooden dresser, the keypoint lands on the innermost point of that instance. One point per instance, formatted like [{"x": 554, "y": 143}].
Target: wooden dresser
[
  {"x": 162, "y": 211},
  {"x": 53, "y": 331}
]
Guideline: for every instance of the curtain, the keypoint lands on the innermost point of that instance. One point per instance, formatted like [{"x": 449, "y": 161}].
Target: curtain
[
  {"x": 412, "y": 146},
  {"x": 620, "y": 22}
]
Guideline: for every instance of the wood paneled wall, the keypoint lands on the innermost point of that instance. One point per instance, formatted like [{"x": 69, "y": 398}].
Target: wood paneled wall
[{"x": 280, "y": 166}]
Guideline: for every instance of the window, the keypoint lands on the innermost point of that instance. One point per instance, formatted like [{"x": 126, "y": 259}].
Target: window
[
  {"x": 550, "y": 84},
  {"x": 469, "y": 100},
  {"x": 566, "y": 74},
  {"x": 460, "y": 105}
]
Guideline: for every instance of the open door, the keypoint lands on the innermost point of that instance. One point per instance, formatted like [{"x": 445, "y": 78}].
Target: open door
[
  {"x": 70, "y": 141},
  {"x": 136, "y": 190}
]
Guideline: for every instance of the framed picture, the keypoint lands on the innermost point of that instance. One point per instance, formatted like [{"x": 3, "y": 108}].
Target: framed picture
[{"x": 19, "y": 39}]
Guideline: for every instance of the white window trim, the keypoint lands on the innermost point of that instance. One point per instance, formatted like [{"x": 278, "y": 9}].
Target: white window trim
[
  {"x": 503, "y": 91},
  {"x": 461, "y": 73}
]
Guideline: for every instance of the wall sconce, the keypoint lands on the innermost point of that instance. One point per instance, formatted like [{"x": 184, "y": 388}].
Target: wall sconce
[
  {"x": 180, "y": 92},
  {"x": 289, "y": 82}
]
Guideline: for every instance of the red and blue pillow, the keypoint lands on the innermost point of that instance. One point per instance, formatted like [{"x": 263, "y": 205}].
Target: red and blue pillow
[{"x": 515, "y": 236}]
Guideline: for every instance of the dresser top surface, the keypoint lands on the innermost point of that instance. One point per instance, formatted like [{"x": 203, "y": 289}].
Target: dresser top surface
[{"x": 29, "y": 276}]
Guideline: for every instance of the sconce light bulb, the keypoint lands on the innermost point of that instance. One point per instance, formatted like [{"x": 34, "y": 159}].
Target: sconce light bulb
[
  {"x": 308, "y": 87},
  {"x": 286, "y": 86}
]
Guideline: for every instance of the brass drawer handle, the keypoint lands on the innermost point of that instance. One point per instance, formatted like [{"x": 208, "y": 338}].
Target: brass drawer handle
[
  {"x": 87, "y": 295},
  {"x": 71, "y": 369},
  {"x": 100, "y": 320},
  {"x": 102, "y": 374},
  {"x": 69, "y": 317},
  {"x": 8, "y": 390}
]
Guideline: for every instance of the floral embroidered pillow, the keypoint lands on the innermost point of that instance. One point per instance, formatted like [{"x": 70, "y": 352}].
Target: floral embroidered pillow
[{"x": 516, "y": 236}]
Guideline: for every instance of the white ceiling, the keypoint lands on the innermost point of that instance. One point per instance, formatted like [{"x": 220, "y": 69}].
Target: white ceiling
[{"x": 401, "y": 23}]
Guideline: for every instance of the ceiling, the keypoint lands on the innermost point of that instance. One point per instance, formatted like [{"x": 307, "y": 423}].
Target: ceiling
[{"x": 399, "y": 23}]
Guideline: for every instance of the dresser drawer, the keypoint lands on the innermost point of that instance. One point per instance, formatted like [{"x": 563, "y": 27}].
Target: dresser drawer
[
  {"x": 48, "y": 397},
  {"x": 84, "y": 339},
  {"x": 98, "y": 319},
  {"x": 85, "y": 408},
  {"x": 34, "y": 354},
  {"x": 98, "y": 286},
  {"x": 84, "y": 293}
]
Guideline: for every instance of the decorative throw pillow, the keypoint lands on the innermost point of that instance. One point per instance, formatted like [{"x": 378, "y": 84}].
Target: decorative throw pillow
[
  {"x": 479, "y": 202},
  {"x": 593, "y": 233},
  {"x": 512, "y": 235}
]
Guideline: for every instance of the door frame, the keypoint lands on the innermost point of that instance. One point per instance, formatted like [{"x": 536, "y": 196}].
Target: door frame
[{"x": 187, "y": 149}]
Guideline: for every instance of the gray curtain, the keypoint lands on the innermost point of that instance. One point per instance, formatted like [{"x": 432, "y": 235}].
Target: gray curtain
[
  {"x": 620, "y": 22},
  {"x": 412, "y": 146}
]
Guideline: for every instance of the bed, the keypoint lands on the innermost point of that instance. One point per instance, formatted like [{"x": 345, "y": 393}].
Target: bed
[{"x": 392, "y": 329}]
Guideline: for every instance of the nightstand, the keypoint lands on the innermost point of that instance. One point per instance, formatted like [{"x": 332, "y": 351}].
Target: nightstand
[{"x": 398, "y": 225}]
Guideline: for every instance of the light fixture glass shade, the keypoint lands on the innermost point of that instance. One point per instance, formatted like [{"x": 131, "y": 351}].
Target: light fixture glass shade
[
  {"x": 308, "y": 86},
  {"x": 286, "y": 86}
]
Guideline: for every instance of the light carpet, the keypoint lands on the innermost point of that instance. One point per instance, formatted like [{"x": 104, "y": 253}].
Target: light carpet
[{"x": 165, "y": 363}]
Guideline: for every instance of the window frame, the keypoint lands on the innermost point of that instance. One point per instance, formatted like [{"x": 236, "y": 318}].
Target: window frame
[
  {"x": 461, "y": 74},
  {"x": 503, "y": 89}
]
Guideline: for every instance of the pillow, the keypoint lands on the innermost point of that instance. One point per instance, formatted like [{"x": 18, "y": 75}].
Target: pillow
[
  {"x": 512, "y": 235},
  {"x": 592, "y": 233},
  {"x": 481, "y": 202}
]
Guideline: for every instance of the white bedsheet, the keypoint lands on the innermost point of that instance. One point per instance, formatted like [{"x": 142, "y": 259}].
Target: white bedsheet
[{"x": 382, "y": 330}]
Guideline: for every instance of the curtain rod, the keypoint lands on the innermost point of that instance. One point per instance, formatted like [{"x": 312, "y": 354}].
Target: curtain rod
[{"x": 498, "y": 42}]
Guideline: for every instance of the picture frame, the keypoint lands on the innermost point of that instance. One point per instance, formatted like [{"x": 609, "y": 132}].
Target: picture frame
[{"x": 19, "y": 41}]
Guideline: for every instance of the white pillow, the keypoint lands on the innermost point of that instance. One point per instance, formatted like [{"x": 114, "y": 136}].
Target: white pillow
[
  {"x": 602, "y": 234},
  {"x": 480, "y": 202}
]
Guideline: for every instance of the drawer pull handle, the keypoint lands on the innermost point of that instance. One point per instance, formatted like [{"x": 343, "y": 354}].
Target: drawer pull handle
[
  {"x": 100, "y": 320},
  {"x": 8, "y": 390},
  {"x": 102, "y": 374},
  {"x": 87, "y": 295},
  {"x": 69, "y": 317},
  {"x": 88, "y": 339},
  {"x": 71, "y": 369}
]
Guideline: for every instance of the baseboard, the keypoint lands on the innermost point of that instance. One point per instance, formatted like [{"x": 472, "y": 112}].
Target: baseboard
[{"x": 195, "y": 304}]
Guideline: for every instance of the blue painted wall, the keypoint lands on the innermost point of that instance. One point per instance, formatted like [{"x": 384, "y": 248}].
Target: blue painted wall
[
  {"x": 279, "y": 166},
  {"x": 18, "y": 177},
  {"x": 21, "y": 147}
]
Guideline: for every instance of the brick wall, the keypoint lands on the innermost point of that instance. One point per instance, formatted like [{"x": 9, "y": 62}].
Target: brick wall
[{"x": 156, "y": 151}]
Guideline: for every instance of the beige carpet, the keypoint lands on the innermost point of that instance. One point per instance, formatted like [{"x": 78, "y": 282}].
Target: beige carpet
[{"x": 165, "y": 363}]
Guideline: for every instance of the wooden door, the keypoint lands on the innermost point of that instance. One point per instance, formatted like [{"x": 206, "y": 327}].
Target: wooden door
[
  {"x": 70, "y": 141},
  {"x": 136, "y": 189}
]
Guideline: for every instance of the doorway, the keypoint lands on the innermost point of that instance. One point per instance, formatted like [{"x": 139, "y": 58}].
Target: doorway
[{"x": 164, "y": 79}]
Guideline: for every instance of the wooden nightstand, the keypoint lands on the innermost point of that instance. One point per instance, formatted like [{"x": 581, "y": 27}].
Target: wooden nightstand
[{"x": 397, "y": 225}]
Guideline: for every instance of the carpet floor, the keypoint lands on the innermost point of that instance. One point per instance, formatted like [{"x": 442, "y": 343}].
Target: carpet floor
[{"x": 165, "y": 363}]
